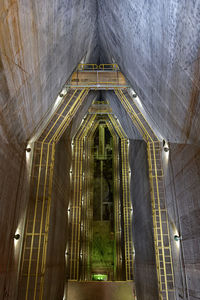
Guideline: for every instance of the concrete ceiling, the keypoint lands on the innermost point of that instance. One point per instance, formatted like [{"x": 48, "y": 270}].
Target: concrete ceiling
[{"x": 155, "y": 43}]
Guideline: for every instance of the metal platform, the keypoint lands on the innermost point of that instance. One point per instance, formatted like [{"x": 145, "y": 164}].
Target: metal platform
[{"x": 97, "y": 77}]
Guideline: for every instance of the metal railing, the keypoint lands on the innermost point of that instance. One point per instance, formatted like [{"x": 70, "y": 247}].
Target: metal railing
[
  {"x": 33, "y": 264},
  {"x": 159, "y": 212},
  {"x": 118, "y": 274},
  {"x": 95, "y": 67},
  {"x": 106, "y": 67},
  {"x": 126, "y": 201},
  {"x": 76, "y": 206}
]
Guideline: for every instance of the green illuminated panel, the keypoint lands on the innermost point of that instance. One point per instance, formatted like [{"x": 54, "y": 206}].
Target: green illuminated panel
[{"x": 100, "y": 277}]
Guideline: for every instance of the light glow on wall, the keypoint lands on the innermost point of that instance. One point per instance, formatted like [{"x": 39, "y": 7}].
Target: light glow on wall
[
  {"x": 17, "y": 242},
  {"x": 165, "y": 156},
  {"x": 28, "y": 153},
  {"x": 57, "y": 102},
  {"x": 177, "y": 242},
  {"x": 19, "y": 230}
]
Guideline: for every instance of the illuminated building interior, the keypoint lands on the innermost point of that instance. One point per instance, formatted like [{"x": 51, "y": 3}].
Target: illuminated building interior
[{"x": 99, "y": 150}]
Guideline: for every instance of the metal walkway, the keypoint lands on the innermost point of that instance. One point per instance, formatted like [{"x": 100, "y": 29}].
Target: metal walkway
[
  {"x": 33, "y": 262},
  {"x": 159, "y": 211}
]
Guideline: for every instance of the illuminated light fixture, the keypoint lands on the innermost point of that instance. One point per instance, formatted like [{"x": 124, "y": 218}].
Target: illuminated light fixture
[
  {"x": 64, "y": 91},
  {"x": 134, "y": 95},
  {"x": 28, "y": 149},
  {"x": 100, "y": 277},
  {"x": 17, "y": 236},
  {"x": 165, "y": 146},
  {"x": 177, "y": 237}
]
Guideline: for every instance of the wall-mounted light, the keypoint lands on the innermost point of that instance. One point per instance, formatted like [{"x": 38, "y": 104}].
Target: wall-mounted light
[
  {"x": 133, "y": 93},
  {"x": 165, "y": 146},
  {"x": 17, "y": 236},
  {"x": 177, "y": 237}
]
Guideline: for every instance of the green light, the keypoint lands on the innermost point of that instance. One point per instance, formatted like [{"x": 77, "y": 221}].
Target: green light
[{"x": 99, "y": 277}]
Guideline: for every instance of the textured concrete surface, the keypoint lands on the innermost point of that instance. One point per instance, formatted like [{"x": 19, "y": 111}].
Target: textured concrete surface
[
  {"x": 100, "y": 291},
  {"x": 182, "y": 190},
  {"x": 13, "y": 194},
  {"x": 55, "y": 275},
  {"x": 83, "y": 110},
  {"x": 119, "y": 111},
  {"x": 41, "y": 43},
  {"x": 156, "y": 44},
  {"x": 145, "y": 266}
]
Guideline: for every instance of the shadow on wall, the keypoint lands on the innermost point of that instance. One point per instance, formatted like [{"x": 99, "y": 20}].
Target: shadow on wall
[{"x": 145, "y": 265}]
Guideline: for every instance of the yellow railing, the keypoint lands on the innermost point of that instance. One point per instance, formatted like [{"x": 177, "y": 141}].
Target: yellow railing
[
  {"x": 128, "y": 243},
  {"x": 101, "y": 67},
  {"x": 105, "y": 67},
  {"x": 33, "y": 264},
  {"x": 76, "y": 205},
  {"x": 159, "y": 211},
  {"x": 87, "y": 67}
]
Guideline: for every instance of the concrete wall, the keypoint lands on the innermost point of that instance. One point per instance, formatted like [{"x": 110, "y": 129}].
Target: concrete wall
[
  {"x": 13, "y": 198},
  {"x": 55, "y": 277},
  {"x": 83, "y": 110},
  {"x": 145, "y": 265},
  {"x": 123, "y": 117},
  {"x": 156, "y": 44},
  {"x": 41, "y": 44},
  {"x": 182, "y": 171}
]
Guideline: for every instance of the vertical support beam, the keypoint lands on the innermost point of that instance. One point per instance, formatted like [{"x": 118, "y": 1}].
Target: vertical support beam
[
  {"x": 117, "y": 206},
  {"x": 78, "y": 225},
  {"x": 127, "y": 218}
]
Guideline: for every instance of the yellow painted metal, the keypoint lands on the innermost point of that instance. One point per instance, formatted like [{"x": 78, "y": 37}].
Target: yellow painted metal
[
  {"x": 42, "y": 178},
  {"x": 88, "y": 130},
  {"x": 83, "y": 67},
  {"x": 98, "y": 79},
  {"x": 89, "y": 144},
  {"x": 113, "y": 67},
  {"x": 159, "y": 212},
  {"x": 76, "y": 204},
  {"x": 126, "y": 199},
  {"x": 89, "y": 67},
  {"x": 117, "y": 209},
  {"x": 36, "y": 233}
]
